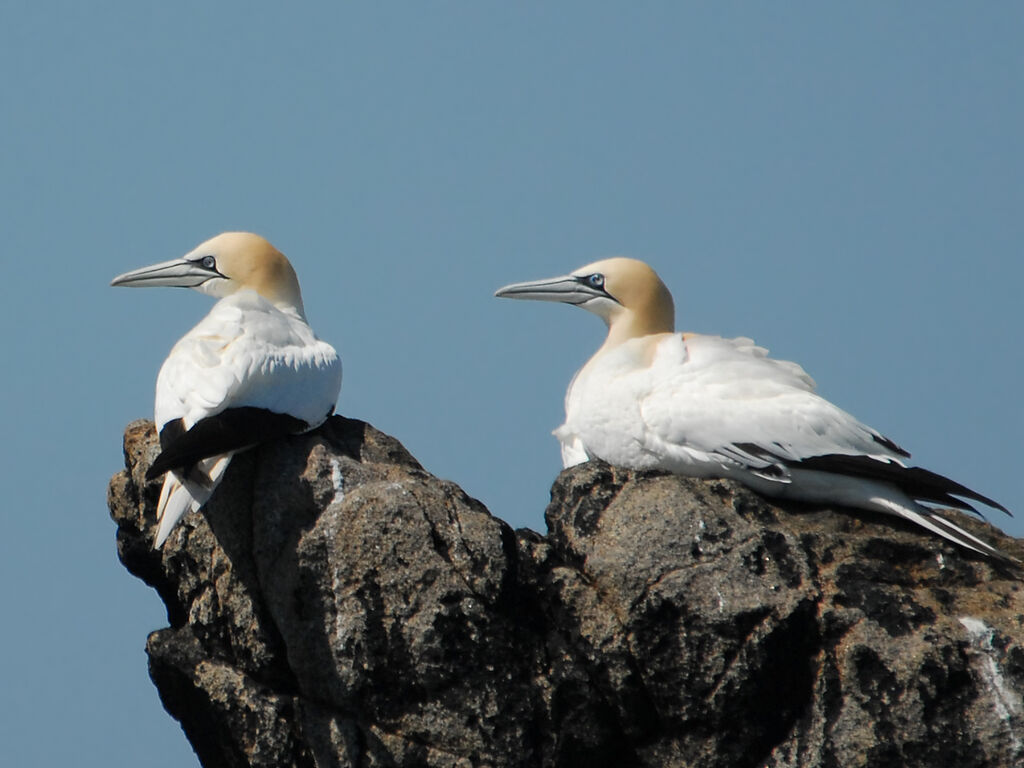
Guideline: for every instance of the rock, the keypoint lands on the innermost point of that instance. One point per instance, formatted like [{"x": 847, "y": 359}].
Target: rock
[{"x": 336, "y": 605}]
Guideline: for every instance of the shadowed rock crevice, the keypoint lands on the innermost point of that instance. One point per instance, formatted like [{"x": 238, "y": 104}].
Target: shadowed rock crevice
[{"x": 334, "y": 604}]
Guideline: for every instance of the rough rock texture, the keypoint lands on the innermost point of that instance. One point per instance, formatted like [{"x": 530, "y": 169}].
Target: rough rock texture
[{"x": 337, "y": 605}]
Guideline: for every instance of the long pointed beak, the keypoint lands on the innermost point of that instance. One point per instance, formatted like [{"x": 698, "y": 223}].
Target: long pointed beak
[
  {"x": 180, "y": 273},
  {"x": 568, "y": 289}
]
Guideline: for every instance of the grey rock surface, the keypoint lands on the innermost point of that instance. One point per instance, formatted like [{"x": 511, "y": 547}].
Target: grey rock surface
[{"x": 336, "y": 605}]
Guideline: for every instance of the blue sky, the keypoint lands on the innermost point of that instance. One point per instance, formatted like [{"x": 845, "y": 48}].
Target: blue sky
[{"x": 845, "y": 184}]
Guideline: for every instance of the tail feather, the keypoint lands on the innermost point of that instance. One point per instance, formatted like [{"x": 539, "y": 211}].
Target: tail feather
[
  {"x": 960, "y": 533},
  {"x": 932, "y": 521},
  {"x": 179, "y": 496},
  {"x": 175, "y": 502}
]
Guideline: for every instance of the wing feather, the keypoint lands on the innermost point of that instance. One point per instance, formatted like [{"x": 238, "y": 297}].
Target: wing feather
[
  {"x": 225, "y": 432},
  {"x": 726, "y": 401},
  {"x": 917, "y": 482},
  {"x": 725, "y": 398},
  {"x": 248, "y": 353}
]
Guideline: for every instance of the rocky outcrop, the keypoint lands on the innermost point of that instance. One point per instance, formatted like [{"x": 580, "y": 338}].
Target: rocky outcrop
[{"x": 337, "y": 605}]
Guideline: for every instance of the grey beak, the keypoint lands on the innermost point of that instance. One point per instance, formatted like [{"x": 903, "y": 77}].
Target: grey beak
[
  {"x": 180, "y": 273},
  {"x": 568, "y": 289}
]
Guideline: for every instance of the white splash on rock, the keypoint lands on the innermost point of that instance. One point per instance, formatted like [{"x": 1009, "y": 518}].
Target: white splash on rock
[
  {"x": 699, "y": 535},
  {"x": 1007, "y": 702},
  {"x": 338, "y": 481}
]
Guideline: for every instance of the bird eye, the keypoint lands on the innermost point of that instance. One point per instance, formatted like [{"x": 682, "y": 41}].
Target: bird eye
[
  {"x": 209, "y": 262},
  {"x": 596, "y": 280}
]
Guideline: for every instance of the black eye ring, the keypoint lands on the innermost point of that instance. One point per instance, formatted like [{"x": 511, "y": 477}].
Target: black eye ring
[
  {"x": 209, "y": 262},
  {"x": 596, "y": 280}
]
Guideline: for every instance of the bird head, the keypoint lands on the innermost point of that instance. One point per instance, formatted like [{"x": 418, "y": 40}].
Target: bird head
[
  {"x": 626, "y": 293},
  {"x": 223, "y": 265}
]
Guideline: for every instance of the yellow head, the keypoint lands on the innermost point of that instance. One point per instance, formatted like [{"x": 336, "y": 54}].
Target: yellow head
[
  {"x": 223, "y": 265},
  {"x": 626, "y": 293}
]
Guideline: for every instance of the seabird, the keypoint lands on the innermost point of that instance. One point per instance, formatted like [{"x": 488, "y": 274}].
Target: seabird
[
  {"x": 251, "y": 371},
  {"x": 707, "y": 406}
]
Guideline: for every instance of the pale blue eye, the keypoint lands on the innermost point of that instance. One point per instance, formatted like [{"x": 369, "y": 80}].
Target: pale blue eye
[
  {"x": 596, "y": 280},
  {"x": 209, "y": 262}
]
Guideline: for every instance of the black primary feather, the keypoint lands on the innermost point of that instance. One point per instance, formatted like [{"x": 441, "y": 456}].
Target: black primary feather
[
  {"x": 224, "y": 432},
  {"x": 916, "y": 482},
  {"x": 886, "y": 442}
]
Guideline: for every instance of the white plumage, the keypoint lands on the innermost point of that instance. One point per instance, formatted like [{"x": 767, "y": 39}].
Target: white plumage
[
  {"x": 252, "y": 370},
  {"x": 247, "y": 351},
  {"x": 706, "y": 406},
  {"x": 685, "y": 402}
]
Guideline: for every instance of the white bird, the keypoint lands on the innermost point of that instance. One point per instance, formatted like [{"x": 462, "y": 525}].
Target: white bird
[
  {"x": 251, "y": 371},
  {"x": 706, "y": 406}
]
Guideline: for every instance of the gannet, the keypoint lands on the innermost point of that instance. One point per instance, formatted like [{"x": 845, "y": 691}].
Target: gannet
[
  {"x": 707, "y": 406},
  {"x": 251, "y": 371}
]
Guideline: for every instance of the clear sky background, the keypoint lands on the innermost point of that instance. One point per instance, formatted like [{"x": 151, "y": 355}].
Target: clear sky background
[{"x": 843, "y": 183}]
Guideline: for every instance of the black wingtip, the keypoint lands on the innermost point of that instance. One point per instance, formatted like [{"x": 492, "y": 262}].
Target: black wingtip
[
  {"x": 887, "y": 443},
  {"x": 921, "y": 484},
  {"x": 224, "y": 432}
]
